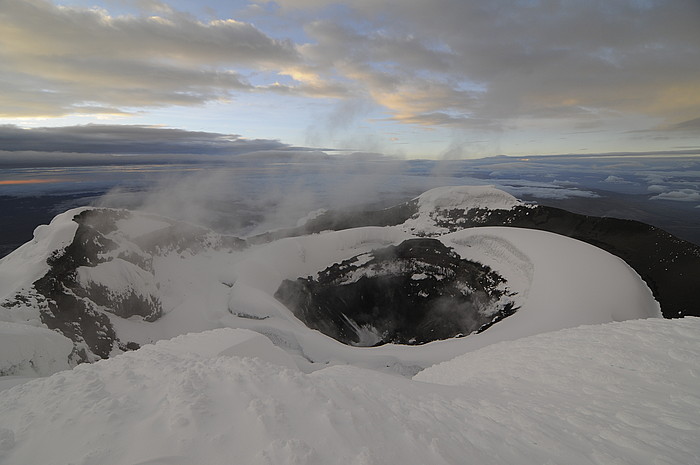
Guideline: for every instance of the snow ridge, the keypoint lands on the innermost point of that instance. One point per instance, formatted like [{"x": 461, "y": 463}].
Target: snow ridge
[
  {"x": 450, "y": 205},
  {"x": 467, "y": 197}
]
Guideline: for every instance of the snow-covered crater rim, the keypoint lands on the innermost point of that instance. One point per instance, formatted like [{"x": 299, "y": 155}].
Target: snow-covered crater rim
[{"x": 486, "y": 197}]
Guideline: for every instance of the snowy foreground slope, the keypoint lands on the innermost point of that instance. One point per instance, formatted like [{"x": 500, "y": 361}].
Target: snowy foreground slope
[{"x": 622, "y": 393}]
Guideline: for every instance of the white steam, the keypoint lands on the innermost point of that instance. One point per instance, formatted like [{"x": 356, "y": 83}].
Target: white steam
[{"x": 256, "y": 197}]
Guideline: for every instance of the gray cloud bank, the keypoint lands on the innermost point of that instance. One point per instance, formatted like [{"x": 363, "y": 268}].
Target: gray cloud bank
[
  {"x": 128, "y": 139},
  {"x": 124, "y": 144}
]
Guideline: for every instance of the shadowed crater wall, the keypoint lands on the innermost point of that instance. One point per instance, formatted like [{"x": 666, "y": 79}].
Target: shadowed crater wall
[{"x": 416, "y": 292}]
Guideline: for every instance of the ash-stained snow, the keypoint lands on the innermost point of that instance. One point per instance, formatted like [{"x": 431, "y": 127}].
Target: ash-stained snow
[
  {"x": 383, "y": 269},
  {"x": 362, "y": 259},
  {"x": 623, "y": 393}
]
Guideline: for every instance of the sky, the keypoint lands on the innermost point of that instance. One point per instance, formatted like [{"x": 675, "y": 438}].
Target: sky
[{"x": 407, "y": 78}]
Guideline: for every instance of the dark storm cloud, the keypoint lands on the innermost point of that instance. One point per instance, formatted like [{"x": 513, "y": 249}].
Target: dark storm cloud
[{"x": 129, "y": 139}]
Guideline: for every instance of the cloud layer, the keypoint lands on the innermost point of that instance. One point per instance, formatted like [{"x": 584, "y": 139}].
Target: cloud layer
[
  {"x": 103, "y": 144},
  {"x": 466, "y": 64},
  {"x": 484, "y": 63}
]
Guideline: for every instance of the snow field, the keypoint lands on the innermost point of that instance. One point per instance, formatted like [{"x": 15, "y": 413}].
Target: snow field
[
  {"x": 561, "y": 282},
  {"x": 630, "y": 397},
  {"x": 625, "y": 392}
]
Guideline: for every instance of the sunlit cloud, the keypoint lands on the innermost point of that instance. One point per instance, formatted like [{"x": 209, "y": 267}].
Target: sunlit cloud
[
  {"x": 60, "y": 60},
  {"x": 16, "y": 182},
  {"x": 537, "y": 59}
]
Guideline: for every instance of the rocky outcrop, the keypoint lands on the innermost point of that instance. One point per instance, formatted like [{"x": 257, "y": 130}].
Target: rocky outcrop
[
  {"x": 105, "y": 270},
  {"x": 78, "y": 310}
]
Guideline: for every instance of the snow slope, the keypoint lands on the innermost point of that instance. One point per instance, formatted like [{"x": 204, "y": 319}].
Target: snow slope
[
  {"x": 562, "y": 282},
  {"x": 28, "y": 263},
  {"x": 623, "y": 393}
]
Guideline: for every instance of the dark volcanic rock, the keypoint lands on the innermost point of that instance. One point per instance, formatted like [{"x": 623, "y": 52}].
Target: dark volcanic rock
[
  {"x": 105, "y": 270},
  {"x": 75, "y": 298},
  {"x": 416, "y": 292},
  {"x": 76, "y": 310}
]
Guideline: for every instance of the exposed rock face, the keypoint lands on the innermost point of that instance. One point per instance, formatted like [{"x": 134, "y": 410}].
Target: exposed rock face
[
  {"x": 75, "y": 308},
  {"x": 107, "y": 270},
  {"x": 412, "y": 293}
]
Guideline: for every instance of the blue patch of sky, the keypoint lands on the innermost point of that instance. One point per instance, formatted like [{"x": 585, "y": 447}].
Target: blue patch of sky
[{"x": 266, "y": 16}]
